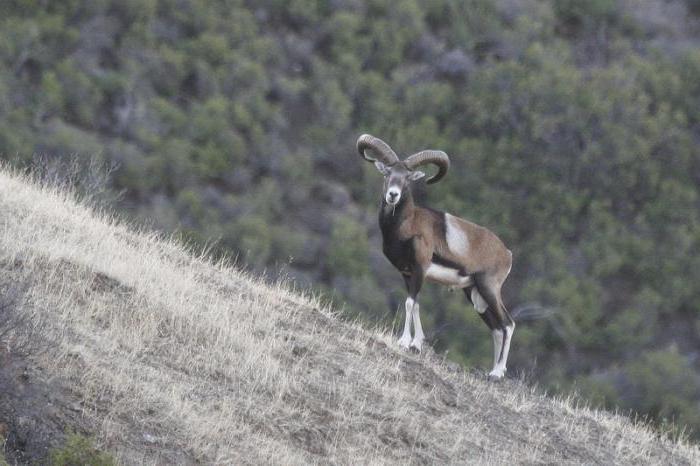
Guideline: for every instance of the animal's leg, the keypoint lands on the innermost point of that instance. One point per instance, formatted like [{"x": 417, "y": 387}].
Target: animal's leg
[
  {"x": 405, "y": 340},
  {"x": 500, "y": 367},
  {"x": 417, "y": 342},
  {"x": 414, "y": 284},
  {"x": 502, "y": 327},
  {"x": 489, "y": 318},
  {"x": 481, "y": 307}
]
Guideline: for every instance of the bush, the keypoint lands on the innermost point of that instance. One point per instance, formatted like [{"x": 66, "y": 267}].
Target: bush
[
  {"x": 349, "y": 251},
  {"x": 662, "y": 383},
  {"x": 251, "y": 237},
  {"x": 80, "y": 451},
  {"x": 577, "y": 14}
]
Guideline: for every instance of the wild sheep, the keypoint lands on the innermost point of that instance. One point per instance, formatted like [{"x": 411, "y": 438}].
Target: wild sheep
[{"x": 426, "y": 244}]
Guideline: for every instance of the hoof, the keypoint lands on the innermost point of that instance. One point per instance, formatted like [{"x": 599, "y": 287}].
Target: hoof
[
  {"x": 404, "y": 343},
  {"x": 496, "y": 374},
  {"x": 416, "y": 346}
]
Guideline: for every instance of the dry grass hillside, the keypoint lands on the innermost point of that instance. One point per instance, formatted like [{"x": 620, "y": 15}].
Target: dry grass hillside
[{"x": 168, "y": 358}]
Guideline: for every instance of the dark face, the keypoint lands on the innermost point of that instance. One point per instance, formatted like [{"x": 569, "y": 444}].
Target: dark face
[{"x": 397, "y": 179}]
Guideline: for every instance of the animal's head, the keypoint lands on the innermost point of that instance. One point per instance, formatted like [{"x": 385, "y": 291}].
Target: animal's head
[{"x": 398, "y": 174}]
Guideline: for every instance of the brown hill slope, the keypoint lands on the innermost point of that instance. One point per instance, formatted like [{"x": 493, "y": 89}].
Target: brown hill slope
[{"x": 169, "y": 358}]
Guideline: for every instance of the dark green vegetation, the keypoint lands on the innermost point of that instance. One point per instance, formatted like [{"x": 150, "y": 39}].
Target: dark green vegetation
[
  {"x": 573, "y": 128},
  {"x": 80, "y": 450}
]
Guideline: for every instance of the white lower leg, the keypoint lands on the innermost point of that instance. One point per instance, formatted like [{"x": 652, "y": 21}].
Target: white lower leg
[
  {"x": 405, "y": 340},
  {"x": 417, "y": 342},
  {"x": 506, "y": 346},
  {"x": 497, "y": 344},
  {"x": 499, "y": 367}
]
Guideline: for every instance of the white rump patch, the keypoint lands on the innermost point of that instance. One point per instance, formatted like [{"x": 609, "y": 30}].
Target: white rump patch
[
  {"x": 479, "y": 302},
  {"x": 455, "y": 236}
]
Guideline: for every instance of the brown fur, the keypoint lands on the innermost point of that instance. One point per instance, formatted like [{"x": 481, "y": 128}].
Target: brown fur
[
  {"x": 486, "y": 258},
  {"x": 486, "y": 253}
]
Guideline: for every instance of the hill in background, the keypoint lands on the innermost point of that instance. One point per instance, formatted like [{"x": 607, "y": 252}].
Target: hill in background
[{"x": 168, "y": 357}]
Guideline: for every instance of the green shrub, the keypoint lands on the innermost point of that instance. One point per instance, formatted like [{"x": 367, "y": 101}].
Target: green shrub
[
  {"x": 662, "y": 383},
  {"x": 251, "y": 237},
  {"x": 350, "y": 249},
  {"x": 79, "y": 451},
  {"x": 575, "y": 13}
]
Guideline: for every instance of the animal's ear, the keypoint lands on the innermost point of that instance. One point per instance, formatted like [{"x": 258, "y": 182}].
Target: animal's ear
[
  {"x": 416, "y": 175},
  {"x": 383, "y": 169}
]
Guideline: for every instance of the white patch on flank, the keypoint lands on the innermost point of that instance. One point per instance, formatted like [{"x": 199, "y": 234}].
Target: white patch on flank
[
  {"x": 479, "y": 303},
  {"x": 447, "y": 276},
  {"x": 405, "y": 340},
  {"x": 456, "y": 238}
]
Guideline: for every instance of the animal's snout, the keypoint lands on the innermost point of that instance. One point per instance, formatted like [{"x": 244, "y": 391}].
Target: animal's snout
[{"x": 392, "y": 196}]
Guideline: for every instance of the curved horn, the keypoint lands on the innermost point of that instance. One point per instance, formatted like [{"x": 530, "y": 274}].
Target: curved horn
[
  {"x": 384, "y": 153},
  {"x": 436, "y": 157}
]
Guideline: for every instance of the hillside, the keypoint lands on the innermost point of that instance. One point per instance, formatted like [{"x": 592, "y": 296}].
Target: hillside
[
  {"x": 573, "y": 129},
  {"x": 170, "y": 358}
]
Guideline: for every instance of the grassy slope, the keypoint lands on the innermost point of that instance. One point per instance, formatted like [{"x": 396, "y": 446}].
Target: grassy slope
[{"x": 176, "y": 359}]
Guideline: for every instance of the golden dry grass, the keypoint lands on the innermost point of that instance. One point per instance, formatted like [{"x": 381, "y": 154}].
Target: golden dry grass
[{"x": 176, "y": 359}]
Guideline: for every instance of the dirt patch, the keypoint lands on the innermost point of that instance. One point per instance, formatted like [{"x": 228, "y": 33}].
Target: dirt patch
[
  {"x": 103, "y": 283},
  {"x": 418, "y": 373},
  {"x": 34, "y": 414}
]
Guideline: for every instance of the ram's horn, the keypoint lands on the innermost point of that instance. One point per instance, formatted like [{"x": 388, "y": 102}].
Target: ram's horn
[
  {"x": 380, "y": 150},
  {"x": 436, "y": 157}
]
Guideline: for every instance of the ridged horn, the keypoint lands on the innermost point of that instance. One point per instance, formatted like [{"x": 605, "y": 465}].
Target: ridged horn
[
  {"x": 436, "y": 157},
  {"x": 385, "y": 154}
]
